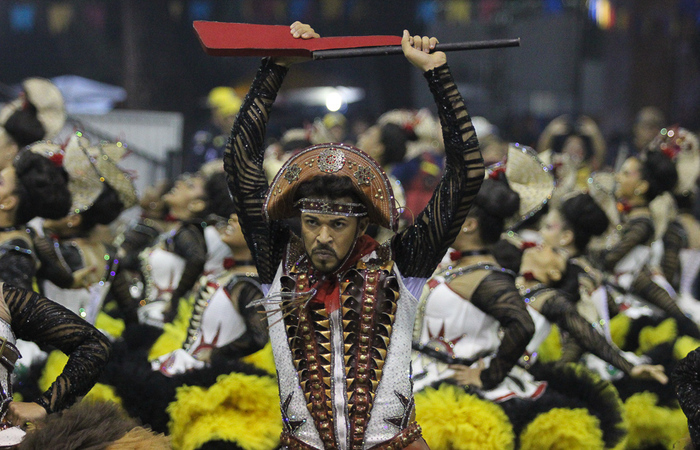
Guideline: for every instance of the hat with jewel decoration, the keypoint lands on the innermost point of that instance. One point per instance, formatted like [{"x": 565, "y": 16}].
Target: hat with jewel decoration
[{"x": 369, "y": 180}]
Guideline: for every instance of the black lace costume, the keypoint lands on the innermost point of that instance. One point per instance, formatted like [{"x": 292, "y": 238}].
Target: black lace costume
[
  {"x": 640, "y": 231},
  {"x": 498, "y": 297},
  {"x": 18, "y": 262},
  {"x": 418, "y": 249},
  {"x": 38, "y": 319},
  {"x": 415, "y": 251},
  {"x": 559, "y": 310},
  {"x": 188, "y": 243}
]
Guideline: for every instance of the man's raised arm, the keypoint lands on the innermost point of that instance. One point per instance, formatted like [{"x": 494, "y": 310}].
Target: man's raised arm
[{"x": 419, "y": 248}]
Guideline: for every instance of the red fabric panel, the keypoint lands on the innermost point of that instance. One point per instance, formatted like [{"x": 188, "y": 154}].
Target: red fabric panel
[{"x": 244, "y": 39}]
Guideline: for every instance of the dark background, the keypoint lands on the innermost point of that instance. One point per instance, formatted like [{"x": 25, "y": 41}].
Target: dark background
[{"x": 605, "y": 59}]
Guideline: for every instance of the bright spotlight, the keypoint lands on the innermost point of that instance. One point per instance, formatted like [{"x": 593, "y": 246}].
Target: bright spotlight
[{"x": 334, "y": 101}]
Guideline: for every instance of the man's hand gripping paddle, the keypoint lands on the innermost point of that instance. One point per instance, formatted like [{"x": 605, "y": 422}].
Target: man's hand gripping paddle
[{"x": 244, "y": 39}]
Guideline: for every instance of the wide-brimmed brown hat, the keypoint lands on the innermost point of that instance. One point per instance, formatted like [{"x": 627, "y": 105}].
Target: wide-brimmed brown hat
[
  {"x": 529, "y": 177},
  {"x": 369, "y": 180}
]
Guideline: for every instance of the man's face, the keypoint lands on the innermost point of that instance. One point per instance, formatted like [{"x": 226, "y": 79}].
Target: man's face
[{"x": 329, "y": 238}]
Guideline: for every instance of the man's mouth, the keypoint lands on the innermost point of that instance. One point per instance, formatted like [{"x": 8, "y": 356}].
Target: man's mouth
[{"x": 324, "y": 254}]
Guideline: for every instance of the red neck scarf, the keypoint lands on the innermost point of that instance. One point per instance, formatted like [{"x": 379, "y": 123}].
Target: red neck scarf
[{"x": 328, "y": 288}]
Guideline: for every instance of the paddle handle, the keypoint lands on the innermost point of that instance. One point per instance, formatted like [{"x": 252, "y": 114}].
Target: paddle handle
[{"x": 396, "y": 49}]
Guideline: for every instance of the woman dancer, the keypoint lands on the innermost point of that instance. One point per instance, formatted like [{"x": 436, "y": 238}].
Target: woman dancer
[
  {"x": 222, "y": 330},
  {"x": 681, "y": 241},
  {"x": 100, "y": 191},
  {"x": 172, "y": 266},
  {"x": 570, "y": 228},
  {"x": 460, "y": 339},
  {"x": 640, "y": 181},
  {"x": 33, "y": 185},
  {"x": 36, "y": 114}
]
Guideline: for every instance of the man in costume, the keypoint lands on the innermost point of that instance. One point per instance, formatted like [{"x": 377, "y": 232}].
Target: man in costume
[{"x": 340, "y": 305}]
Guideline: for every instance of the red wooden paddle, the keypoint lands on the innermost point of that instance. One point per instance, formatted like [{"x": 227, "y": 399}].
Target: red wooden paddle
[{"x": 244, "y": 39}]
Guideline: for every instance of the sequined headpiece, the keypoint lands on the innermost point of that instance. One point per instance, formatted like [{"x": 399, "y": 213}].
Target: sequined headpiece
[
  {"x": 529, "y": 177},
  {"x": 89, "y": 167},
  {"x": 369, "y": 180},
  {"x": 322, "y": 206}
]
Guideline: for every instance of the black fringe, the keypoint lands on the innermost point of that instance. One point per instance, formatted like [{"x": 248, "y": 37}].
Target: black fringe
[
  {"x": 569, "y": 386},
  {"x": 146, "y": 393}
]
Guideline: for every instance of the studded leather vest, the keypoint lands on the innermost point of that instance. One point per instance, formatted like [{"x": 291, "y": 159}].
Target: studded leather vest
[{"x": 344, "y": 375}]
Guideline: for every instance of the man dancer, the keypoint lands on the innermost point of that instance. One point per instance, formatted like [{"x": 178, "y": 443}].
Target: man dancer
[{"x": 340, "y": 305}]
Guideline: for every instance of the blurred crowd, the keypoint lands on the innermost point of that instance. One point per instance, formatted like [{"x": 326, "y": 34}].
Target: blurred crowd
[{"x": 173, "y": 291}]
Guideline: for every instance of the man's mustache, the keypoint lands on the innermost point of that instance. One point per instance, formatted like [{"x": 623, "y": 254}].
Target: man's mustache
[{"x": 324, "y": 248}]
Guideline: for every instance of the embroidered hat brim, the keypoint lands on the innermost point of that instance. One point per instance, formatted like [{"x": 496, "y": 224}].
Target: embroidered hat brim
[{"x": 369, "y": 180}]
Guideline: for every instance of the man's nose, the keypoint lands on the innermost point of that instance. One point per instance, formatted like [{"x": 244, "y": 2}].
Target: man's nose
[{"x": 324, "y": 235}]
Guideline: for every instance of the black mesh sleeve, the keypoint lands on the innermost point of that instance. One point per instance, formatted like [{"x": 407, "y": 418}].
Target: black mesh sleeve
[
  {"x": 419, "y": 249},
  {"x": 121, "y": 293},
  {"x": 571, "y": 351},
  {"x": 255, "y": 336},
  {"x": 558, "y": 309},
  {"x": 243, "y": 162},
  {"x": 188, "y": 243},
  {"x": 52, "y": 268},
  {"x": 637, "y": 231},
  {"x": 498, "y": 297},
  {"x": 675, "y": 239},
  {"x": 38, "y": 319},
  {"x": 17, "y": 267},
  {"x": 645, "y": 287}
]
